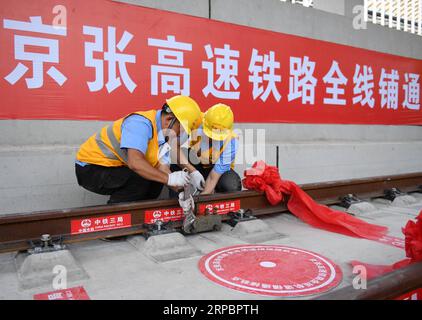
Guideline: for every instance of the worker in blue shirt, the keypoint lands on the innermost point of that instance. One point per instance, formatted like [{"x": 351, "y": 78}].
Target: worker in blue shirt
[{"x": 128, "y": 159}]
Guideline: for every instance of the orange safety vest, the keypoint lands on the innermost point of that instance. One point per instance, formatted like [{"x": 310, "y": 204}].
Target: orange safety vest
[
  {"x": 103, "y": 148},
  {"x": 210, "y": 156}
]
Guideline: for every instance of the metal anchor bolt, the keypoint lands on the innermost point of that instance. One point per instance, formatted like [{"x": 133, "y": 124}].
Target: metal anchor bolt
[
  {"x": 46, "y": 240},
  {"x": 242, "y": 213}
]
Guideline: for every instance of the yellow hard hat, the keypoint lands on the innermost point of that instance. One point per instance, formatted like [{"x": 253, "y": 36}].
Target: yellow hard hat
[
  {"x": 187, "y": 111},
  {"x": 218, "y": 122}
]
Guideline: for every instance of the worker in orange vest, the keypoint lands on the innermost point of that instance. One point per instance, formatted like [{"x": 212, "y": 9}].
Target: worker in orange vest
[{"x": 128, "y": 159}]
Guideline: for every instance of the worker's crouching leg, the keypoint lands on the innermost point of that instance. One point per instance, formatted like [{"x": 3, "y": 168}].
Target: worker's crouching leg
[
  {"x": 230, "y": 181},
  {"x": 121, "y": 183},
  {"x": 136, "y": 188}
]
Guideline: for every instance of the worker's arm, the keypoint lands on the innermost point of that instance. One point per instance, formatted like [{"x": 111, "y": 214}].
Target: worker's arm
[
  {"x": 197, "y": 180},
  {"x": 222, "y": 165},
  {"x": 138, "y": 163},
  {"x": 177, "y": 154},
  {"x": 163, "y": 167},
  {"x": 182, "y": 161},
  {"x": 164, "y": 160},
  {"x": 136, "y": 132},
  {"x": 211, "y": 182}
]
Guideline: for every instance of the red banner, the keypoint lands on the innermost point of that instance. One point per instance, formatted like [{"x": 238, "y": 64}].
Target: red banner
[{"x": 100, "y": 60}]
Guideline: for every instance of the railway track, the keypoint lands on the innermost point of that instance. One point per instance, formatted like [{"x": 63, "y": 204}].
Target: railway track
[
  {"x": 387, "y": 287},
  {"x": 19, "y": 231}
]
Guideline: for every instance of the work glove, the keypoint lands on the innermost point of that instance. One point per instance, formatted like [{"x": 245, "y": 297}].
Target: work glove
[
  {"x": 197, "y": 180},
  {"x": 187, "y": 205},
  {"x": 178, "y": 179}
]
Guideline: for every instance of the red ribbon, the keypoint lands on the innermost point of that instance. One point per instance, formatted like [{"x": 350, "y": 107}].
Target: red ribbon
[
  {"x": 262, "y": 177},
  {"x": 413, "y": 246}
]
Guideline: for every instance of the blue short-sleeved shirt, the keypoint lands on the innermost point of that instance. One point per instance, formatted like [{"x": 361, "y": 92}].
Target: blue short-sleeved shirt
[
  {"x": 227, "y": 157},
  {"x": 223, "y": 163},
  {"x": 136, "y": 133}
]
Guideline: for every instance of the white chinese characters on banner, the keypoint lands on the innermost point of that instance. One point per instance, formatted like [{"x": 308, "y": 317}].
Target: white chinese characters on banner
[
  {"x": 263, "y": 69},
  {"x": 170, "y": 74},
  {"x": 38, "y": 59},
  {"x": 227, "y": 70},
  {"x": 411, "y": 91},
  {"x": 111, "y": 56},
  {"x": 364, "y": 85},
  {"x": 335, "y": 78},
  {"x": 302, "y": 83},
  {"x": 389, "y": 89},
  {"x": 174, "y": 78}
]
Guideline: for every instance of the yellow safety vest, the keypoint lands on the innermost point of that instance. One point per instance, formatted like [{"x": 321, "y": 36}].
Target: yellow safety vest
[
  {"x": 103, "y": 148},
  {"x": 210, "y": 156}
]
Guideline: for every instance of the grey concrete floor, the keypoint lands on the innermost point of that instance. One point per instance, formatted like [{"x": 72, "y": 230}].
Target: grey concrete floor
[{"x": 122, "y": 270}]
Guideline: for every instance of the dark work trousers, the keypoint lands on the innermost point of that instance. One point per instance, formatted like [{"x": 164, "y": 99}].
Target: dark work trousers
[
  {"x": 229, "y": 181},
  {"x": 121, "y": 183}
]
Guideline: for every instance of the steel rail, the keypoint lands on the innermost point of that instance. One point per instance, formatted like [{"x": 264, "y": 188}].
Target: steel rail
[
  {"x": 389, "y": 286},
  {"x": 17, "y": 230}
]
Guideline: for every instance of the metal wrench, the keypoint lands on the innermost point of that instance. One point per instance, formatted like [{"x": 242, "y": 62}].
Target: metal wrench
[{"x": 189, "y": 190}]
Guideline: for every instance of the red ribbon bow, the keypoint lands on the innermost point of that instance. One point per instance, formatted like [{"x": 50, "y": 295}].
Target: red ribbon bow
[{"x": 262, "y": 177}]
